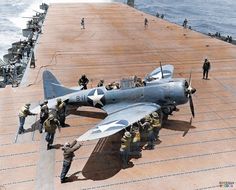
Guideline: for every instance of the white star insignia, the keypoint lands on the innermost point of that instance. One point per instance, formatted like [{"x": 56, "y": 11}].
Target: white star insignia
[
  {"x": 104, "y": 127},
  {"x": 96, "y": 98}
]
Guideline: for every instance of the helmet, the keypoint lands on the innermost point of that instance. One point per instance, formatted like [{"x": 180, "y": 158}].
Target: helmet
[
  {"x": 45, "y": 101},
  {"x": 155, "y": 115},
  {"x": 67, "y": 144},
  {"x": 127, "y": 134},
  {"x": 147, "y": 118},
  {"x": 51, "y": 116},
  {"x": 135, "y": 129},
  {"x": 58, "y": 100},
  {"x": 27, "y": 105}
]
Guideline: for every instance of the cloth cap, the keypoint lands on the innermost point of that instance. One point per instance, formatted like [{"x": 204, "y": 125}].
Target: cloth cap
[
  {"x": 51, "y": 116},
  {"x": 67, "y": 144},
  {"x": 155, "y": 115},
  {"x": 45, "y": 101},
  {"x": 27, "y": 105}
]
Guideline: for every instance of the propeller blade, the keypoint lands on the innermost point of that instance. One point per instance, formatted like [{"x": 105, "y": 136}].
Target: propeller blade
[
  {"x": 190, "y": 79},
  {"x": 191, "y": 105}
]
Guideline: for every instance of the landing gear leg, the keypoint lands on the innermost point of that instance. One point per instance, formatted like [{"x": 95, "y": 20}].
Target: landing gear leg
[{"x": 165, "y": 117}]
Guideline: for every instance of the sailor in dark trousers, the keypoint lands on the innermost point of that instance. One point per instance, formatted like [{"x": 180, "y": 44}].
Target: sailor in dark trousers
[
  {"x": 206, "y": 67},
  {"x": 185, "y": 23},
  {"x": 101, "y": 83},
  {"x": 82, "y": 24},
  {"x": 50, "y": 126},
  {"x": 145, "y": 23},
  {"x": 44, "y": 113},
  {"x": 23, "y": 113},
  {"x": 61, "y": 111},
  {"x": 68, "y": 153},
  {"x": 83, "y": 81}
]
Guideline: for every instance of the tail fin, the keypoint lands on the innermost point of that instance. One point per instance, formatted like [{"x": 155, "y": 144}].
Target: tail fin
[{"x": 52, "y": 87}]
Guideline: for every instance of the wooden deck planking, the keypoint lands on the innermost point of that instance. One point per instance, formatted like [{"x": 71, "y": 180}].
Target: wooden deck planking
[{"x": 116, "y": 45}]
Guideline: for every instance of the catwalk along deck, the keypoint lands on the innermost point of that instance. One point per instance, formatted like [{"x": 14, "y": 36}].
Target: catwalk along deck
[{"x": 114, "y": 45}]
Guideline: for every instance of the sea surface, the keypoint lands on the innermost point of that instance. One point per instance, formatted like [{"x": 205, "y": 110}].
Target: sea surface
[{"x": 206, "y": 16}]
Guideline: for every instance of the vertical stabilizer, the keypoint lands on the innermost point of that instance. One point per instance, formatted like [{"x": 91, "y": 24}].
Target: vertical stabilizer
[{"x": 52, "y": 87}]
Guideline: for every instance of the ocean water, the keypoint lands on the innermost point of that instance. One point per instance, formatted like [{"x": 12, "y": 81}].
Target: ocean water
[{"x": 203, "y": 15}]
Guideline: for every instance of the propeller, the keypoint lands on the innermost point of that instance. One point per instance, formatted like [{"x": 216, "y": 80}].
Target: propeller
[{"x": 191, "y": 91}]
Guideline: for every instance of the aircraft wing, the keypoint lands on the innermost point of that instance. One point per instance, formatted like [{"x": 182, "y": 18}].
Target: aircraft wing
[
  {"x": 156, "y": 74},
  {"x": 119, "y": 119},
  {"x": 52, "y": 102}
]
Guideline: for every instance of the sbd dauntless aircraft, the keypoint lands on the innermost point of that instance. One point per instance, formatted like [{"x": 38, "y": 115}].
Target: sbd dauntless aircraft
[{"x": 126, "y": 105}]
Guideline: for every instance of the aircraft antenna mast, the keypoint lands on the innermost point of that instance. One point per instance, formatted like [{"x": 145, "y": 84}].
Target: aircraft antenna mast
[{"x": 162, "y": 76}]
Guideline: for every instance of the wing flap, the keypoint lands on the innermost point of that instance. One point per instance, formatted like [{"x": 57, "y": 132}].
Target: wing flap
[{"x": 119, "y": 120}]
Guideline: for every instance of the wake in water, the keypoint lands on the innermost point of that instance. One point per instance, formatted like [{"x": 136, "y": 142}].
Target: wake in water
[
  {"x": 16, "y": 13},
  {"x": 209, "y": 16}
]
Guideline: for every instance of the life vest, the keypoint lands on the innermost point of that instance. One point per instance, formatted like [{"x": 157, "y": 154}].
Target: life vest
[
  {"x": 50, "y": 127},
  {"x": 44, "y": 111},
  {"x": 125, "y": 143},
  {"x": 156, "y": 123},
  {"x": 24, "y": 112},
  {"x": 61, "y": 108},
  {"x": 137, "y": 137}
]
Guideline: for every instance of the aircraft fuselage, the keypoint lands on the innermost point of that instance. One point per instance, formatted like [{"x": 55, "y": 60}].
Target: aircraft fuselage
[{"x": 170, "y": 93}]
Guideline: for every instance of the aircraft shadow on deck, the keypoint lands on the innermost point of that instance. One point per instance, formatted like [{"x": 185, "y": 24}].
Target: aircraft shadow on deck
[
  {"x": 104, "y": 161},
  {"x": 177, "y": 125}
]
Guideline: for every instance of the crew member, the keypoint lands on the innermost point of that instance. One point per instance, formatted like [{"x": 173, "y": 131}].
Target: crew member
[
  {"x": 185, "y": 23},
  {"x": 206, "y": 67},
  {"x": 61, "y": 111},
  {"x": 83, "y": 81},
  {"x": 156, "y": 123},
  {"x": 125, "y": 149},
  {"x": 101, "y": 83},
  {"x": 145, "y": 23},
  {"x": 44, "y": 112},
  {"x": 139, "y": 82},
  {"x": 68, "y": 153},
  {"x": 23, "y": 113},
  {"x": 50, "y": 126},
  {"x": 82, "y": 24},
  {"x": 32, "y": 61},
  {"x": 135, "y": 145},
  {"x": 149, "y": 129}
]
